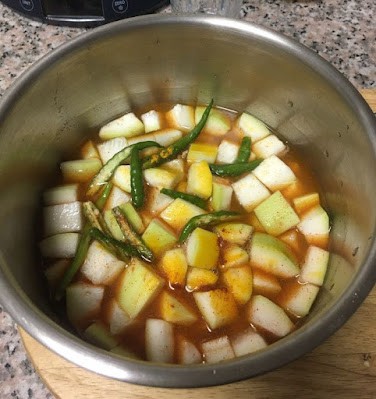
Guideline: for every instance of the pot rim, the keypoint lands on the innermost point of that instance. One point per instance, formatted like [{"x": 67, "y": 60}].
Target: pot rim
[{"x": 306, "y": 338}]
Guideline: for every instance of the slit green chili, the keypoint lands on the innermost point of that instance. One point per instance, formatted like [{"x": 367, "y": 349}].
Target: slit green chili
[
  {"x": 234, "y": 169},
  {"x": 193, "y": 199},
  {"x": 173, "y": 150},
  {"x": 101, "y": 201},
  {"x": 108, "y": 169},
  {"x": 108, "y": 241},
  {"x": 244, "y": 150},
  {"x": 205, "y": 220},
  {"x": 137, "y": 181},
  {"x": 131, "y": 237}
]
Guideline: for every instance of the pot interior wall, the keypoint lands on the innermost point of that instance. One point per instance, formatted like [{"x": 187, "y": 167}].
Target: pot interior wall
[{"x": 72, "y": 96}]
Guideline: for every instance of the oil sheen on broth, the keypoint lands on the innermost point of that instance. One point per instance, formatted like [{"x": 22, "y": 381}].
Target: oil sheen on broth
[{"x": 222, "y": 253}]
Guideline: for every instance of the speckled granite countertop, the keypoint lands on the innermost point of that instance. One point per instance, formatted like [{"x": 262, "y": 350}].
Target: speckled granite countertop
[{"x": 342, "y": 31}]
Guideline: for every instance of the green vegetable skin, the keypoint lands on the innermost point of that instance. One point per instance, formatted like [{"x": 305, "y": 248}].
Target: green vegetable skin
[
  {"x": 193, "y": 199},
  {"x": 244, "y": 150},
  {"x": 206, "y": 219},
  {"x": 173, "y": 150},
  {"x": 105, "y": 174},
  {"x": 234, "y": 169},
  {"x": 137, "y": 182}
]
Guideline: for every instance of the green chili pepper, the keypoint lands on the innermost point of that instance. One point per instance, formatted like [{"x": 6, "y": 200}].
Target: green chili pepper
[
  {"x": 105, "y": 174},
  {"x": 131, "y": 236},
  {"x": 108, "y": 241},
  {"x": 234, "y": 169},
  {"x": 137, "y": 182},
  {"x": 193, "y": 199},
  {"x": 244, "y": 150},
  {"x": 101, "y": 201},
  {"x": 205, "y": 220},
  {"x": 93, "y": 215},
  {"x": 173, "y": 150}
]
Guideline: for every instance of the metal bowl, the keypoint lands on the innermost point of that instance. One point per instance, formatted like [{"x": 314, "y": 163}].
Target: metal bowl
[{"x": 145, "y": 60}]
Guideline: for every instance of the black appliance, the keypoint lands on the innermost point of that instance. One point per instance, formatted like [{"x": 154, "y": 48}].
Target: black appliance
[{"x": 83, "y": 12}]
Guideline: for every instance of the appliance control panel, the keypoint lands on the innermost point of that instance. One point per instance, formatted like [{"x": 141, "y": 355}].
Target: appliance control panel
[{"x": 83, "y": 12}]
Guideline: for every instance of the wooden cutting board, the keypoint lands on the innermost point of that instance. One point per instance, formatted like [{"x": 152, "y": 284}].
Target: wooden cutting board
[{"x": 344, "y": 366}]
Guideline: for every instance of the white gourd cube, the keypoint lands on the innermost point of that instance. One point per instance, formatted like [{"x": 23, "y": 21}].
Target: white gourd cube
[
  {"x": 268, "y": 146},
  {"x": 80, "y": 170},
  {"x": 233, "y": 255},
  {"x": 239, "y": 282},
  {"x": 117, "y": 319},
  {"x": 63, "y": 218},
  {"x": 264, "y": 313},
  {"x": 182, "y": 117},
  {"x": 127, "y": 125},
  {"x": 83, "y": 302},
  {"x": 273, "y": 256},
  {"x": 198, "y": 278},
  {"x": 217, "y": 350},
  {"x": 200, "y": 180},
  {"x": 218, "y": 123},
  {"x": 137, "y": 288},
  {"x": 265, "y": 284},
  {"x": 218, "y": 307},
  {"x": 60, "y": 245},
  {"x": 188, "y": 352},
  {"x": 234, "y": 232},
  {"x": 61, "y": 194},
  {"x": 248, "y": 342},
  {"x": 305, "y": 202},
  {"x": 174, "y": 265},
  {"x": 314, "y": 267},
  {"x": 202, "y": 152},
  {"x": 117, "y": 197},
  {"x": 202, "y": 249},
  {"x": 109, "y": 148},
  {"x": 158, "y": 201},
  {"x": 122, "y": 178},
  {"x": 174, "y": 311},
  {"x": 274, "y": 173},
  {"x": 176, "y": 165},
  {"x": 160, "y": 177},
  {"x": 168, "y": 136},
  {"x": 89, "y": 150},
  {"x": 221, "y": 196},
  {"x": 314, "y": 224},
  {"x": 159, "y": 341},
  {"x": 276, "y": 214},
  {"x": 300, "y": 299},
  {"x": 179, "y": 212},
  {"x": 100, "y": 266},
  {"x": 158, "y": 237},
  {"x": 152, "y": 121},
  {"x": 250, "y": 192},
  {"x": 227, "y": 152},
  {"x": 252, "y": 127}
]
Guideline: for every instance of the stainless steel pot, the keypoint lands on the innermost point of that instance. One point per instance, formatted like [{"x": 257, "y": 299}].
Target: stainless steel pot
[{"x": 151, "y": 59}]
